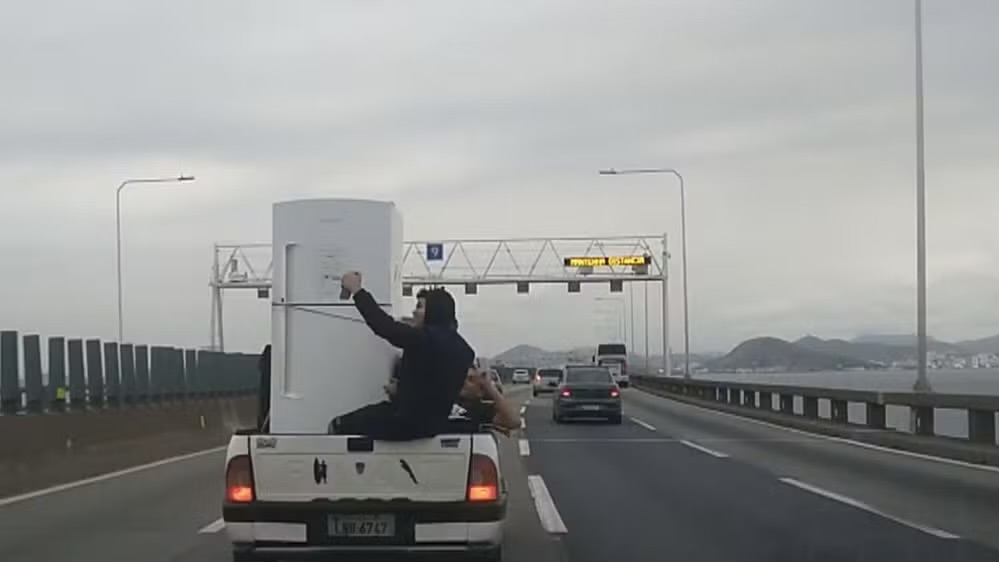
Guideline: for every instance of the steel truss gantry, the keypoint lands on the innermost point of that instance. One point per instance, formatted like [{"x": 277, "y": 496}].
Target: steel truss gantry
[{"x": 474, "y": 262}]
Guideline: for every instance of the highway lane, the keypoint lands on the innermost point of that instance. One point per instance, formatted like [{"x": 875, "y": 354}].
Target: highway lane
[
  {"x": 170, "y": 513},
  {"x": 660, "y": 488},
  {"x": 948, "y": 495}
]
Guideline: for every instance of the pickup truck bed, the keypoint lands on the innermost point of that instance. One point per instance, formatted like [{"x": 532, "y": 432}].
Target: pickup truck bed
[{"x": 300, "y": 496}]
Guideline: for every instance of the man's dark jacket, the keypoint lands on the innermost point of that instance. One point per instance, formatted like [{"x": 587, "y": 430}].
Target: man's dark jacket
[{"x": 435, "y": 360}]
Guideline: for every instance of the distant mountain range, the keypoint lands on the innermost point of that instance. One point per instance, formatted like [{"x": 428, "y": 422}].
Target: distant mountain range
[
  {"x": 780, "y": 355},
  {"x": 809, "y": 353}
]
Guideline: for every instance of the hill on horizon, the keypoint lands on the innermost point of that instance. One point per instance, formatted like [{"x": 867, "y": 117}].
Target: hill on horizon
[
  {"x": 777, "y": 354},
  {"x": 809, "y": 352}
]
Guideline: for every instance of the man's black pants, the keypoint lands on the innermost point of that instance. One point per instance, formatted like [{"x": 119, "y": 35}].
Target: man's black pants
[{"x": 381, "y": 421}]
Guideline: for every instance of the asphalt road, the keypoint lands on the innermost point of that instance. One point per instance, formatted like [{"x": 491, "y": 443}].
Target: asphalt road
[
  {"x": 171, "y": 513},
  {"x": 677, "y": 482},
  {"x": 674, "y": 482}
]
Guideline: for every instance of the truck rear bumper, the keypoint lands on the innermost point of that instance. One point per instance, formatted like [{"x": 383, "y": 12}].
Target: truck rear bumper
[
  {"x": 289, "y": 530},
  {"x": 430, "y": 537}
]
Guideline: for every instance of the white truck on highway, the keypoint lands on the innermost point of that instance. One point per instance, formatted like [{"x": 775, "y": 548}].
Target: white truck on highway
[
  {"x": 294, "y": 491},
  {"x": 614, "y": 356}
]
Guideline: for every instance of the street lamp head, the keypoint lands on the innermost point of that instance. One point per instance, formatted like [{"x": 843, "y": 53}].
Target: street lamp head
[
  {"x": 185, "y": 178},
  {"x": 608, "y": 172}
]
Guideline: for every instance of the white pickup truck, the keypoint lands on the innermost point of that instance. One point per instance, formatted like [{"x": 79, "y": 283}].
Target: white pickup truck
[
  {"x": 293, "y": 496},
  {"x": 293, "y": 491}
]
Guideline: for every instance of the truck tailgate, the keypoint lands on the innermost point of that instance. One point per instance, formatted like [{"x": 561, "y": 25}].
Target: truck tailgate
[{"x": 307, "y": 467}]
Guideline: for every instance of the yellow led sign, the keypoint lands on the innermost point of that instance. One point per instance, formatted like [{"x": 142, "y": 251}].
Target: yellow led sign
[{"x": 603, "y": 261}]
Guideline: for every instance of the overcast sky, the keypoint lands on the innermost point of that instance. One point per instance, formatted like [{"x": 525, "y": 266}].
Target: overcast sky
[{"x": 791, "y": 120}]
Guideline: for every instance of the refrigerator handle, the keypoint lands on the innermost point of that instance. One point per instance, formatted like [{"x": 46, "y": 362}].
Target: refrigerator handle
[{"x": 285, "y": 269}]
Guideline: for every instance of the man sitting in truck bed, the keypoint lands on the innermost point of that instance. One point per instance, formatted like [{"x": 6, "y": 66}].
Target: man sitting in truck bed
[{"x": 431, "y": 373}]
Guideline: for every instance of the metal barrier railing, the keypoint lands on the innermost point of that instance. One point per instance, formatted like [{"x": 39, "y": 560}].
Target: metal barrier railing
[
  {"x": 91, "y": 374},
  {"x": 980, "y": 409}
]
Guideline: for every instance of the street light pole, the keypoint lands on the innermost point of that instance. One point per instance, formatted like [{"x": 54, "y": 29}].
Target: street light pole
[
  {"x": 117, "y": 211},
  {"x": 683, "y": 242},
  {"x": 922, "y": 380}
]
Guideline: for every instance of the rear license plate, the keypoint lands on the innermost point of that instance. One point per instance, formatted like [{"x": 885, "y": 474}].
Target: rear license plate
[
  {"x": 590, "y": 407},
  {"x": 382, "y": 525}
]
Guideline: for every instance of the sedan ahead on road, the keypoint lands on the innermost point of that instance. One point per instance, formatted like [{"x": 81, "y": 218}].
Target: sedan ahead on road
[
  {"x": 587, "y": 391},
  {"x": 546, "y": 380},
  {"x": 520, "y": 376}
]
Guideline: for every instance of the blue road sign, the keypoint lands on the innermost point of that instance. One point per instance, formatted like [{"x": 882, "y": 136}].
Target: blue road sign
[{"x": 435, "y": 252}]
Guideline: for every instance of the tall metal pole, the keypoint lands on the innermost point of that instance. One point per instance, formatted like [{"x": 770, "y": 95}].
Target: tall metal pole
[
  {"x": 683, "y": 242},
  {"x": 922, "y": 381},
  {"x": 215, "y": 292},
  {"x": 117, "y": 252},
  {"x": 645, "y": 305},
  {"x": 117, "y": 213},
  {"x": 686, "y": 304},
  {"x": 667, "y": 360},
  {"x": 631, "y": 304}
]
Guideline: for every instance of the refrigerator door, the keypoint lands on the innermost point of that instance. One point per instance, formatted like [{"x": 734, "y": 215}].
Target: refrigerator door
[
  {"x": 325, "y": 360},
  {"x": 317, "y": 241},
  {"x": 330, "y": 364}
]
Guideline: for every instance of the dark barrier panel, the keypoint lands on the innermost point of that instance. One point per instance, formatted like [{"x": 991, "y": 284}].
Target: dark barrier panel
[
  {"x": 177, "y": 372},
  {"x": 159, "y": 383},
  {"x": 142, "y": 382},
  {"x": 111, "y": 374},
  {"x": 191, "y": 373},
  {"x": 56, "y": 391},
  {"x": 77, "y": 378},
  {"x": 127, "y": 362},
  {"x": 33, "y": 388},
  {"x": 206, "y": 379},
  {"x": 10, "y": 386},
  {"x": 95, "y": 374}
]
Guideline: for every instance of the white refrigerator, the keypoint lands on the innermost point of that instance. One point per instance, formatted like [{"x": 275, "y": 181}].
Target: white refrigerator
[{"x": 325, "y": 361}]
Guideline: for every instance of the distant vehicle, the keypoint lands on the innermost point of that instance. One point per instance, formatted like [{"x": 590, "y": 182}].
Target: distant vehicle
[
  {"x": 546, "y": 380},
  {"x": 521, "y": 376},
  {"x": 615, "y": 357},
  {"x": 587, "y": 391}
]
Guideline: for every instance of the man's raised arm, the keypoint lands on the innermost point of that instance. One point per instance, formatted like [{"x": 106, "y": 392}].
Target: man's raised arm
[{"x": 381, "y": 323}]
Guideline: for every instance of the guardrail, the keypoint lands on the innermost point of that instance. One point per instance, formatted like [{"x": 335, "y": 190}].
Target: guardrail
[
  {"x": 91, "y": 374},
  {"x": 980, "y": 409}
]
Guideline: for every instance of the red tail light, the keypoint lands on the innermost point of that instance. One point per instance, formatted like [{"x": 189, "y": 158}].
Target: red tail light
[
  {"x": 483, "y": 479},
  {"x": 615, "y": 393},
  {"x": 564, "y": 392},
  {"x": 239, "y": 480}
]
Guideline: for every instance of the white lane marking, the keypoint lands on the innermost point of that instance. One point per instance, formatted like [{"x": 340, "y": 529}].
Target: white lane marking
[
  {"x": 868, "y": 508},
  {"x": 94, "y": 479},
  {"x": 604, "y": 440},
  {"x": 547, "y": 512},
  {"x": 525, "y": 448},
  {"x": 843, "y": 440},
  {"x": 523, "y": 409},
  {"x": 523, "y": 423},
  {"x": 704, "y": 449},
  {"x": 213, "y": 527},
  {"x": 646, "y": 425}
]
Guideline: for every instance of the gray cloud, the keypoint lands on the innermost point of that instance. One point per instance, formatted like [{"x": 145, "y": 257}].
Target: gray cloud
[{"x": 792, "y": 122}]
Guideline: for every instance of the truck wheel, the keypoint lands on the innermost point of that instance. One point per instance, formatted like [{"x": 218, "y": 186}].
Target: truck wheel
[{"x": 616, "y": 420}]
